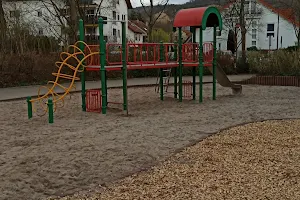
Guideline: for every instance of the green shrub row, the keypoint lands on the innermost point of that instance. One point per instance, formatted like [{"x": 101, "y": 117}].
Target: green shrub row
[{"x": 280, "y": 63}]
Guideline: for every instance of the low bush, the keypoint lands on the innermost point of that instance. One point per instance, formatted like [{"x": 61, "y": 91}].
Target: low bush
[{"x": 280, "y": 63}]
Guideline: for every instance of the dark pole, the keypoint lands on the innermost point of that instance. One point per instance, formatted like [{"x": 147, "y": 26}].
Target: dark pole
[{"x": 278, "y": 32}]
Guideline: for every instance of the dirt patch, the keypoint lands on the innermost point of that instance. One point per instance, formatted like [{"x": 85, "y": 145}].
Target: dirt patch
[{"x": 81, "y": 151}]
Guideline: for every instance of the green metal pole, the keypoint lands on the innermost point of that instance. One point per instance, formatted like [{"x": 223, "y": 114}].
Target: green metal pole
[
  {"x": 194, "y": 68},
  {"x": 124, "y": 68},
  {"x": 215, "y": 63},
  {"x": 201, "y": 64},
  {"x": 180, "y": 62},
  {"x": 104, "y": 43},
  {"x": 102, "y": 66},
  {"x": 81, "y": 46},
  {"x": 50, "y": 110},
  {"x": 29, "y": 105},
  {"x": 175, "y": 71},
  {"x": 161, "y": 71}
]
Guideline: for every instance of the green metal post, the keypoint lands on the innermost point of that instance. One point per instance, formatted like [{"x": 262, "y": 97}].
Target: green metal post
[
  {"x": 124, "y": 68},
  {"x": 194, "y": 68},
  {"x": 81, "y": 46},
  {"x": 201, "y": 64},
  {"x": 29, "y": 105},
  {"x": 102, "y": 67},
  {"x": 50, "y": 110},
  {"x": 180, "y": 62},
  {"x": 104, "y": 43},
  {"x": 215, "y": 63},
  {"x": 161, "y": 71},
  {"x": 175, "y": 71}
]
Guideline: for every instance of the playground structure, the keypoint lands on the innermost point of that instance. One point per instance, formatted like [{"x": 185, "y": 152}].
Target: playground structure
[{"x": 107, "y": 57}]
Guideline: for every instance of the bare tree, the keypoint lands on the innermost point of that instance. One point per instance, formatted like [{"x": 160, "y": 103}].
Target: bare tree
[
  {"x": 3, "y": 26},
  {"x": 239, "y": 15},
  {"x": 152, "y": 15}
]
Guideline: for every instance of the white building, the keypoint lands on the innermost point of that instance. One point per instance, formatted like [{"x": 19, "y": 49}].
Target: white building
[
  {"x": 136, "y": 33},
  {"x": 267, "y": 27},
  {"x": 43, "y": 17},
  {"x": 109, "y": 10},
  {"x": 38, "y": 17}
]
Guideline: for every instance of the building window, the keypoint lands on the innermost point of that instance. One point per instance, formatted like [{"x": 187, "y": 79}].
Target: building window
[
  {"x": 14, "y": 13},
  {"x": 114, "y": 32},
  {"x": 40, "y": 31},
  {"x": 270, "y": 34},
  {"x": 118, "y": 17},
  {"x": 114, "y": 15},
  {"x": 39, "y": 13},
  {"x": 254, "y": 34},
  {"x": 253, "y": 43},
  {"x": 106, "y": 38},
  {"x": 270, "y": 27},
  {"x": 119, "y": 33}
]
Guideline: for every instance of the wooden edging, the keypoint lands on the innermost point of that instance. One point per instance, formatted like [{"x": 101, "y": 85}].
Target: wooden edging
[{"x": 273, "y": 80}]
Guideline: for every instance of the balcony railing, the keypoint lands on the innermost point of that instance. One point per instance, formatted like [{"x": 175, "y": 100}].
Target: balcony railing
[{"x": 93, "y": 19}]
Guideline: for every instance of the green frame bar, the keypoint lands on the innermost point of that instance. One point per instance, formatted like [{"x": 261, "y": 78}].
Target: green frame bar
[
  {"x": 161, "y": 71},
  {"x": 175, "y": 71},
  {"x": 29, "y": 106},
  {"x": 104, "y": 44},
  {"x": 215, "y": 63},
  {"x": 180, "y": 62},
  {"x": 194, "y": 68},
  {"x": 102, "y": 66},
  {"x": 124, "y": 67},
  {"x": 201, "y": 64},
  {"x": 50, "y": 110},
  {"x": 81, "y": 46}
]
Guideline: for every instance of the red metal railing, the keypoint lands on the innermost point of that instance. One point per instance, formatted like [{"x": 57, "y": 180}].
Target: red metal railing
[
  {"x": 94, "y": 59},
  {"x": 114, "y": 54},
  {"x": 190, "y": 52},
  {"x": 143, "y": 54},
  {"x": 208, "y": 52}
]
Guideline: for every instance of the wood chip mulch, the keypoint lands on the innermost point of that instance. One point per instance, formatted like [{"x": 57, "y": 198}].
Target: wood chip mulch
[{"x": 255, "y": 161}]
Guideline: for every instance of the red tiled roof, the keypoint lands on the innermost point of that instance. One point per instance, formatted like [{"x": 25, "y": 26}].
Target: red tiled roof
[
  {"x": 140, "y": 24},
  {"x": 286, "y": 13},
  {"x": 134, "y": 28}
]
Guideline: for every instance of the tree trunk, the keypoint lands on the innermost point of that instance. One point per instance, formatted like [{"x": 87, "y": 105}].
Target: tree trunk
[
  {"x": 243, "y": 31},
  {"x": 3, "y": 26},
  {"x": 73, "y": 15}
]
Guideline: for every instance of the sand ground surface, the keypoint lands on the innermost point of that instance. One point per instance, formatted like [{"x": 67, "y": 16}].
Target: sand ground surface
[
  {"x": 83, "y": 151},
  {"x": 255, "y": 161}
]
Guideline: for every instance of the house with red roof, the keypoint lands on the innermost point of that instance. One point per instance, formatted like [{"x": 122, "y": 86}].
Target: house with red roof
[
  {"x": 137, "y": 31},
  {"x": 269, "y": 25}
]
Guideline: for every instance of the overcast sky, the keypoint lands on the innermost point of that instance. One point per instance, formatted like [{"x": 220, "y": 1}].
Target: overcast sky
[{"x": 136, "y": 3}]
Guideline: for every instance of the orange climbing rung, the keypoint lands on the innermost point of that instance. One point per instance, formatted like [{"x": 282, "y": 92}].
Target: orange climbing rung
[{"x": 93, "y": 100}]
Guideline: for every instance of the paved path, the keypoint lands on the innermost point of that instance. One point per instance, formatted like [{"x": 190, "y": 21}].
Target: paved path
[{"x": 25, "y": 91}]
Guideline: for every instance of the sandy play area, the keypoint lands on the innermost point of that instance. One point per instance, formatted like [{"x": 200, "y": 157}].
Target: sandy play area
[{"x": 82, "y": 151}]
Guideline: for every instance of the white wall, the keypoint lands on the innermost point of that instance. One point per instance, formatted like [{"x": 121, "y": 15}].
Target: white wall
[
  {"x": 45, "y": 24},
  {"x": 135, "y": 37},
  {"x": 286, "y": 31},
  {"x": 107, "y": 11}
]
